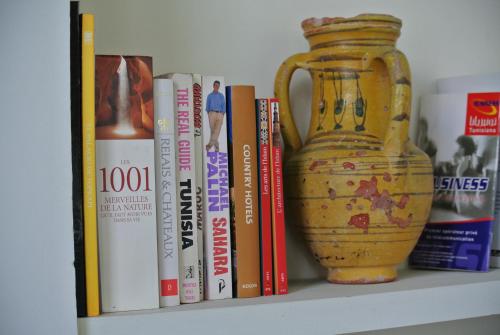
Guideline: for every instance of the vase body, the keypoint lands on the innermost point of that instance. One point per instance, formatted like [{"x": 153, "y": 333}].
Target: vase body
[{"x": 358, "y": 190}]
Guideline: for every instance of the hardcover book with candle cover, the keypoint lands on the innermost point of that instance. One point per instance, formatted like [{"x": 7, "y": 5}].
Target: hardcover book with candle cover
[{"x": 126, "y": 210}]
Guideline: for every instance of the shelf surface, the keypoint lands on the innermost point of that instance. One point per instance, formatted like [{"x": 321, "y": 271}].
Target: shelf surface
[{"x": 317, "y": 307}]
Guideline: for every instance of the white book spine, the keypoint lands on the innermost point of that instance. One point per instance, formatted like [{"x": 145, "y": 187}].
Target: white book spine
[
  {"x": 218, "y": 283},
  {"x": 186, "y": 181},
  {"x": 125, "y": 171},
  {"x": 198, "y": 145},
  {"x": 166, "y": 193},
  {"x": 127, "y": 224}
]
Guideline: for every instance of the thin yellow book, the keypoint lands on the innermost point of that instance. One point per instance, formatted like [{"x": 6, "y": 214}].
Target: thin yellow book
[{"x": 89, "y": 175}]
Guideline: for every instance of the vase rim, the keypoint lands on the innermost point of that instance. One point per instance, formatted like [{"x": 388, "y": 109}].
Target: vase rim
[{"x": 313, "y": 25}]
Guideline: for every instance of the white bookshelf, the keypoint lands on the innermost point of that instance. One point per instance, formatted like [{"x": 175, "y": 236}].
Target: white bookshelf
[
  {"x": 317, "y": 307},
  {"x": 37, "y": 278}
]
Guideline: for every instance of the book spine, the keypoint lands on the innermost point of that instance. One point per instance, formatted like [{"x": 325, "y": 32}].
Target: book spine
[
  {"x": 76, "y": 157},
  {"x": 266, "y": 247},
  {"x": 243, "y": 182},
  {"x": 186, "y": 196},
  {"x": 88, "y": 166},
  {"x": 166, "y": 193},
  {"x": 198, "y": 148},
  {"x": 125, "y": 169},
  {"x": 216, "y": 190},
  {"x": 278, "y": 212}
]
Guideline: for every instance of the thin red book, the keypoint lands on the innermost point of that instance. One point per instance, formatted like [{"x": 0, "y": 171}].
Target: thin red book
[
  {"x": 266, "y": 241},
  {"x": 277, "y": 202}
]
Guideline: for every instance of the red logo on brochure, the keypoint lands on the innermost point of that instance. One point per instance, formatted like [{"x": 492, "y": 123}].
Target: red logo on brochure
[
  {"x": 482, "y": 114},
  {"x": 169, "y": 287}
]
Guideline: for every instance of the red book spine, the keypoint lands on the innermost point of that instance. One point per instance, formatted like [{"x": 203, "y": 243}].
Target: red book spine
[
  {"x": 278, "y": 210},
  {"x": 266, "y": 252}
]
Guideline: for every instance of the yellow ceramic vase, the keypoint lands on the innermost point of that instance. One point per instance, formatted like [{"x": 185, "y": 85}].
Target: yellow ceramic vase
[{"x": 359, "y": 190}]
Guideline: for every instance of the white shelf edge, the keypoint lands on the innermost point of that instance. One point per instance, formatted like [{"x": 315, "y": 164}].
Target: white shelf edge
[{"x": 419, "y": 297}]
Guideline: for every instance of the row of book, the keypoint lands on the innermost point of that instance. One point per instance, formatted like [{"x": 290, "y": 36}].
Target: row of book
[{"x": 178, "y": 193}]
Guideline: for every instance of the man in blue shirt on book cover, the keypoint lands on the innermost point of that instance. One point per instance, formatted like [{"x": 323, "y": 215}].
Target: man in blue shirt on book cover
[{"x": 216, "y": 108}]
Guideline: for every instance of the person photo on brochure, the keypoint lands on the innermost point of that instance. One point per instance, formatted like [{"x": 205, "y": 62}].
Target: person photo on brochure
[{"x": 216, "y": 109}]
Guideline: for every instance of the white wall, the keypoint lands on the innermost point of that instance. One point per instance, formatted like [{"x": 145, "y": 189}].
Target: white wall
[
  {"x": 37, "y": 294},
  {"x": 246, "y": 41}
]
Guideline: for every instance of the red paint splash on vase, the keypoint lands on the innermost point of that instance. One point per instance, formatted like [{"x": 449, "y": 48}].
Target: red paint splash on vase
[
  {"x": 367, "y": 189},
  {"x": 349, "y": 165},
  {"x": 383, "y": 201},
  {"x": 403, "y": 201},
  {"x": 360, "y": 221},
  {"x": 316, "y": 164},
  {"x": 332, "y": 194},
  {"x": 402, "y": 223}
]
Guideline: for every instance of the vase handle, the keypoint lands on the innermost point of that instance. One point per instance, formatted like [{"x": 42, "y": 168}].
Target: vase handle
[
  {"x": 396, "y": 137},
  {"x": 290, "y": 133}
]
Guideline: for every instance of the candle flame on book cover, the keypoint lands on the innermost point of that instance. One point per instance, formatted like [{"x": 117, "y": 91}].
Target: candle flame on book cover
[{"x": 124, "y": 98}]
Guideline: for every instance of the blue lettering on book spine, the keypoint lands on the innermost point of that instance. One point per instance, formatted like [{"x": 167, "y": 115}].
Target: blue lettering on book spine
[{"x": 218, "y": 181}]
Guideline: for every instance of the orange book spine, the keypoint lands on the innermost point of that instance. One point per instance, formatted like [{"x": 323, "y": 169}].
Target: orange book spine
[{"x": 243, "y": 190}]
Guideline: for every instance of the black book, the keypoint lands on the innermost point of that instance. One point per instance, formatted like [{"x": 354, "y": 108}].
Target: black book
[{"x": 76, "y": 156}]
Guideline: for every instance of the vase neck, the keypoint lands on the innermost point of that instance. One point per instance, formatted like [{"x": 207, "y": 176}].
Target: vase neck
[
  {"x": 355, "y": 44},
  {"x": 366, "y": 30}
]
